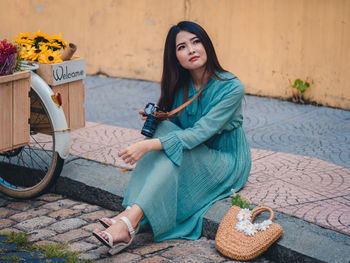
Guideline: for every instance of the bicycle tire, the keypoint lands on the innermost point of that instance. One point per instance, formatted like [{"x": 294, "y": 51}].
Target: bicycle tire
[{"x": 31, "y": 170}]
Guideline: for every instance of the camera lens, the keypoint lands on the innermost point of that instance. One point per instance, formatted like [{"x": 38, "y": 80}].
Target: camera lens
[{"x": 150, "y": 126}]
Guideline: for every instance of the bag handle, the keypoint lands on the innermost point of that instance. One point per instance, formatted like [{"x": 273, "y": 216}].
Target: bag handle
[
  {"x": 166, "y": 115},
  {"x": 258, "y": 210}
]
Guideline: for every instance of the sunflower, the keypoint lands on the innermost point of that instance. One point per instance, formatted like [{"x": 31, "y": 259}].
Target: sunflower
[
  {"x": 34, "y": 53},
  {"x": 58, "y": 39},
  {"x": 39, "y": 38},
  {"x": 23, "y": 39},
  {"x": 54, "y": 46},
  {"x": 24, "y": 35},
  {"x": 24, "y": 51},
  {"x": 49, "y": 57},
  {"x": 40, "y": 47}
]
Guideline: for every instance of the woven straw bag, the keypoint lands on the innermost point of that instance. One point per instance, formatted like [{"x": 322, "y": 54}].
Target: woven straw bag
[{"x": 234, "y": 244}]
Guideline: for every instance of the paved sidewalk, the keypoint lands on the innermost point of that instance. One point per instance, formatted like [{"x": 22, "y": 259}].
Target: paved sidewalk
[
  {"x": 270, "y": 124},
  {"x": 52, "y": 218},
  {"x": 301, "y": 153},
  {"x": 306, "y": 187}
]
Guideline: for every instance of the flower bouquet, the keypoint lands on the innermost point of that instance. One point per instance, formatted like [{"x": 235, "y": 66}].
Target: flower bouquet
[
  {"x": 8, "y": 57},
  {"x": 40, "y": 47}
]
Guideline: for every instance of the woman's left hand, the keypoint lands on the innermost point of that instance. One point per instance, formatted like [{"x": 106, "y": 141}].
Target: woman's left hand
[{"x": 136, "y": 151}]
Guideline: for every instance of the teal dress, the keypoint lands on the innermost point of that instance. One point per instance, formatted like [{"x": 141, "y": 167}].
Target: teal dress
[{"x": 205, "y": 155}]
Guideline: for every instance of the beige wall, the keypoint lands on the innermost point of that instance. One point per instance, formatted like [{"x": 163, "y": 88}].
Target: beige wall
[{"x": 264, "y": 42}]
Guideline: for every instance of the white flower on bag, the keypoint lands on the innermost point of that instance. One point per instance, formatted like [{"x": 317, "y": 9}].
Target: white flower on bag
[
  {"x": 244, "y": 214},
  {"x": 264, "y": 225},
  {"x": 242, "y": 225},
  {"x": 250, "y": 230}
]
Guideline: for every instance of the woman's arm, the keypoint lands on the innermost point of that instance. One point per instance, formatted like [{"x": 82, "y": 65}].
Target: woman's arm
[
  {"x": 136, "y": 151},
  {"x": 210, "y": 124}
]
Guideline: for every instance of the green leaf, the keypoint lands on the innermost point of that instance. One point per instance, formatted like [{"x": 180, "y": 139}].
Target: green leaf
[
  {"x": 297, "y": 82},
  {"x": 300, "y": 85}
]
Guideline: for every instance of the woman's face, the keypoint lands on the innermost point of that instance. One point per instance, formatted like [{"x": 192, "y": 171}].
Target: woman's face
[{"x": 190, "y": 51}]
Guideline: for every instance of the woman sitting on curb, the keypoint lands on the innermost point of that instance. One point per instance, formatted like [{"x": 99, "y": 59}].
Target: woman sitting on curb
[{"x": 194, "y": 159}]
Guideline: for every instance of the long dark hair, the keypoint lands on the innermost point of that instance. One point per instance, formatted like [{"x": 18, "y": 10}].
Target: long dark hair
[{"x": 174, "y": 75}]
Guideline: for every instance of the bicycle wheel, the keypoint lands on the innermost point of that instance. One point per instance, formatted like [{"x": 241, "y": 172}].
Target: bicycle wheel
[{"x": 29, "y": 171}]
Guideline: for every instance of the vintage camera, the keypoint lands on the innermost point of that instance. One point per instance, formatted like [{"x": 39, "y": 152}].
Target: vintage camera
[{"x": 151, "y": 122}]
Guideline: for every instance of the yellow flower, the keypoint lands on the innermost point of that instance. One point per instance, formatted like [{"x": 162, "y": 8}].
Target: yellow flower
[
  {"x": 39, "y": 34},
  {"x": 49, "y": 57},
  {"x": 40, "y": 47},
  {"x": 39, "y": 38},
  {"x": 54, "y": 46},
  {"x": 24, "y": 35},
  {"x": 34, "y": 53},
  {"x": 24, "y": 52},
  {"x": 58, "y": 39},
  {"x": 23, "y": 39}
]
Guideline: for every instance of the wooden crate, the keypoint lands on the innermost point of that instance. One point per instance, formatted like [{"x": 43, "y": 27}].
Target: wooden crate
[
  {"x": 73, "y": 97},
  {"x": 66, "y": 78},
  {"x": 14, "y": 110},
  {"x": 63, "y": 72}
]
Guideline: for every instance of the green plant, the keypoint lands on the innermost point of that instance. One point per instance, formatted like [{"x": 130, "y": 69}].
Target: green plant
[
  {"x": 18, "y": 59},
  {"x": 300, "y": 87},
  {"x": 239, "y": 200},
  {"x": 51, "y": 250},
  {"x": 12, "y": 259},
  {"x": 21, "y": 239},
  {"x": 58, "y": 251}
]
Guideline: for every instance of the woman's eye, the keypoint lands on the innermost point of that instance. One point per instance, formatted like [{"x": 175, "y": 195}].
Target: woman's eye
[
  {"x": 180, "y": 47},
  {"x": 196, "y": 41}
]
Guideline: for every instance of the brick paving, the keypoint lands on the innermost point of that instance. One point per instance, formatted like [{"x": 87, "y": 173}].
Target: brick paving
[
  {"x": 306, "y": 187},
  {"x": 270, "y": 124},
  {"x": 53, "y": 219},
  {"x": 301, "y": 153}
]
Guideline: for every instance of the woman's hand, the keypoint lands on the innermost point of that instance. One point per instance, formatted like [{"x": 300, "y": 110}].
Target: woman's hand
[
  {"x": 136, "y": 151},
  {"x": 141, "y": 112}
]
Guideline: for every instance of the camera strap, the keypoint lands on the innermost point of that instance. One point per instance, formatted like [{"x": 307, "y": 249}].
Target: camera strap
[{"x": 166, "y": 115}]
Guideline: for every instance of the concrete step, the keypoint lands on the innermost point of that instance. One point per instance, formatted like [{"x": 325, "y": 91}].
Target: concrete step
[{"x": 105, "y": 185}]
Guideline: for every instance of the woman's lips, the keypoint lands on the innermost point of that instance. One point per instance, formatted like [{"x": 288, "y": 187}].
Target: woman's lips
[{"x": 194, "y": 58}]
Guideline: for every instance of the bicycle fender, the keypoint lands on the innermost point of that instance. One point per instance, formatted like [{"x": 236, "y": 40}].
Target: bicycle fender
[{"x": 56, "y": 114}]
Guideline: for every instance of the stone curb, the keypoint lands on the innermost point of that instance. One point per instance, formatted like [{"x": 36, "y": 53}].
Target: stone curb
[{"x": 90, "y": 181}]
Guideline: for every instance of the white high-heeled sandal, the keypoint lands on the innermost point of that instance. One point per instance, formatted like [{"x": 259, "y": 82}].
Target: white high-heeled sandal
[
  {"x": 105, "y": 224},
  {"x": 118, "y": 246}
]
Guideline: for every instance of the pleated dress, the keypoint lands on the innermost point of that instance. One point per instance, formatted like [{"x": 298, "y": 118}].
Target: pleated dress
[{"x": 205, "y": 155}]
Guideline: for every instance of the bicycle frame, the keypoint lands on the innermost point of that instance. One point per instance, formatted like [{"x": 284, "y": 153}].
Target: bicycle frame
[{"x": 56, "y": 113}]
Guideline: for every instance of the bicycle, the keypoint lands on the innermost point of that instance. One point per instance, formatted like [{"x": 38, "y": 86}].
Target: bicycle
[{"x": 30, "y": 170}]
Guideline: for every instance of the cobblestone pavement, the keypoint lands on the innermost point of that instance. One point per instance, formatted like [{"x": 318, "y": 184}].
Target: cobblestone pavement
[
  {"x": 306, "y": 187},
  {"x": 270, "y": 124},
  {"x": 54, "y": 219}
]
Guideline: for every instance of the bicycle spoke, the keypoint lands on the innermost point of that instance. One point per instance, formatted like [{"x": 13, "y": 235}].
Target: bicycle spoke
[
  {"x": 40, "y": 146},
  {"x": 30, "y": 150},
  {"x": 25, "y": 167}
]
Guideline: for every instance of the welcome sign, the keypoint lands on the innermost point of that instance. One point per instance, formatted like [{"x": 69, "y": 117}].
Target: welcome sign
[{"x": 64, "y": 72}]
